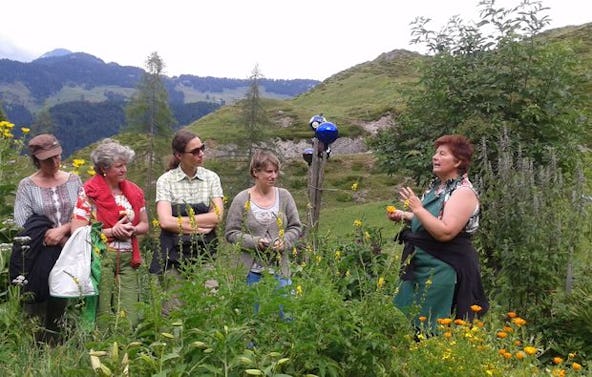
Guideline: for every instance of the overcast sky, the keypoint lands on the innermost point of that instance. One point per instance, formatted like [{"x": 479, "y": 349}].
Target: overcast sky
[{"x": 287, "y": 39}]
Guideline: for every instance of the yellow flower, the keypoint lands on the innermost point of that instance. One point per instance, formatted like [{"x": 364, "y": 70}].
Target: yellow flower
[
  {"x": 380, "y": 282},
  {"x": 155, "y": 223},
  {"x": 354, "y": 186},
  {"x": 447, "y": 334},
  {"x": 299, "y": 290},
  {"x": 216, "y": 210},
  {"x": 318, "y": 258},
  {"x": 406, "y": 204},
  {"x": 25, "y": 130},
  {"x": 558, "y": 373},
  {"x": 104, "y": 238},
  {"x": 91, "y": 171},
  {"x": 247, "y": 205},
  {"x": 358, "y": 223},
  {"x": 366, "y": 236},
  {"x": 390, "y": 209},
  {"x": 530, "y": 350},
  {"x": 508, "y": 329},
  {"x": 337, "y": 255},
  {"x": 557, "y": 360},
  {"x": 279, "y": 222},
  {"x": 575, "y": 366},
  {"x": 78, "y": 162}
]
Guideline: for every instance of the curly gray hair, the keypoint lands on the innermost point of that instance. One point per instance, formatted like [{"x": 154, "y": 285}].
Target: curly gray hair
[{"x": 108, "y": 152}]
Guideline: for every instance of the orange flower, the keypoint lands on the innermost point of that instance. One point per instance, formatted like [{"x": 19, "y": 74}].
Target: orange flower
[
  {"x": 445, "y": 321},
  {"x": 575, "y": 366},
  {"x": 557, "y": 360},
  {"x": 422, "y": 318},
  {"x": 390, "y": 209},
  {"x": 519, "y": 321},
  {"x": 512, "y": 315},
  {"x": 476, "y": 308},
  {"x": 520, "y": 355},
  {"x": 502, "y": 334}
]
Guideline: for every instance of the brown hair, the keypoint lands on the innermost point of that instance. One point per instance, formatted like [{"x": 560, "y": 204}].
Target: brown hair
[
  {"x": 460, "y": 147},
  {"x": 261, "y": 159},
  {"x": 179, "y": 143}
]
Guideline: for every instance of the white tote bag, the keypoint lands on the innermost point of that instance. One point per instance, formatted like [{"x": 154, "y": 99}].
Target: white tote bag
[{"x": 70, "y": 276}]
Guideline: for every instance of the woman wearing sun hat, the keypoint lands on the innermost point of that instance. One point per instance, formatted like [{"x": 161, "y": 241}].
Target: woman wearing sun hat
[{"x": 43, "y": 207}]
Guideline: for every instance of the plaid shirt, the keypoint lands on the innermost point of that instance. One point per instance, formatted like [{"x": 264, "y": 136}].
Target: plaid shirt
[{"x": 176, "y": 187}]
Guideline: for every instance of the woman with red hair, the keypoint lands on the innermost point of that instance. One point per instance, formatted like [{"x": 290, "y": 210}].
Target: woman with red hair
[{"x": 440, "y": 273}]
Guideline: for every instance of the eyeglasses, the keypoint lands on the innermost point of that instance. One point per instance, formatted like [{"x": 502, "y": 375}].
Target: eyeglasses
[{"x": 196, "y": 151}]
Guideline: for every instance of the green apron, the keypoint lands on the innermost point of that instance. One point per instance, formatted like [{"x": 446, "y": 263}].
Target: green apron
[{"x": 430, "y": 293}]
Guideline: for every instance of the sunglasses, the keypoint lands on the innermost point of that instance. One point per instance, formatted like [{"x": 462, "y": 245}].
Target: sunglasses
[{"x": 196, "y": 151}]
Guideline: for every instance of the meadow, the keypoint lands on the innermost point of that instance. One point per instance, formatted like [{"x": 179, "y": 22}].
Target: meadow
[{"x": 340, "y": 320}]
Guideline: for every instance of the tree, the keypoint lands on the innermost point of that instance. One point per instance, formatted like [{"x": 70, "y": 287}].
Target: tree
[
  {"x": 253, "y": 115},
  {"x": 498, "y": 74},
  {"x": 149, "y": 111}
]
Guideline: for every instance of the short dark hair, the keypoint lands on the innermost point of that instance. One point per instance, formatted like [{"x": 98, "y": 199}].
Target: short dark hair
[{"x": 460, "y": 147}]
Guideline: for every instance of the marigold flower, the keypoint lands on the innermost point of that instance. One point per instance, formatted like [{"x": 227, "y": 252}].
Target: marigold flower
[
  {"x": 444, "y": 321},
  {"x": 476, "y": 308},
  {"x": 391, "y": 209},
  {"x": 558, "y": 373},
  {"x": 501, "y": 334},
  {"x": 507, "y": 355},
  {"x": 530, "y": 350},
  {"x": 557, "y": 360},
  {"x": 459, "y": 322},
  {"x": 502, "y": 351},
  {"x": 575, "y": 366},
  {"x": 422, "y": 318},
  {"x": 512, "y": 315},
  {"x": 519, "y": 321},
  {"x": 447, "y": 334},
  {"x": 517, "y": 343},
  {"x": 520, "y": 355},
  {"x": 508, "y": 329}
]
